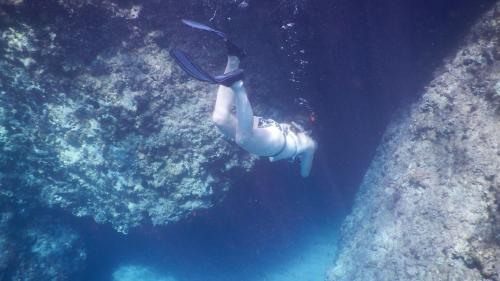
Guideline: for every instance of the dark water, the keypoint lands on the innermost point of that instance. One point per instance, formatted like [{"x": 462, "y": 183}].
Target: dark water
[{"x": 367, "y": 59}]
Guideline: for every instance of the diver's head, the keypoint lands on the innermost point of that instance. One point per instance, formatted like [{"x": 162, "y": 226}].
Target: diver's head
[{"x": 305, "y": 118}]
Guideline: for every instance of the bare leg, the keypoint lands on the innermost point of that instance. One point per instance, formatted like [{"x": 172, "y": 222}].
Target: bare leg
[
  {"x": 222, "y": 115},
  {"x": 244, "y": 114}
]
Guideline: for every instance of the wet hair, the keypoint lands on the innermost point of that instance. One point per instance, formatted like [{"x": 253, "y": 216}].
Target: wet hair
[{"x": 305, "y": 117}]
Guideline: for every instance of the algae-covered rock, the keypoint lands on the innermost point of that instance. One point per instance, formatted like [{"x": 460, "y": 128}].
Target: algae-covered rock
[
  {"x": 97, "y": 119},
  {"x": 428, "y": 207},
  {"x": 48, "y": 250},
  {"x": 38, "y": 248},
  {"x": 6, "y": 249}
]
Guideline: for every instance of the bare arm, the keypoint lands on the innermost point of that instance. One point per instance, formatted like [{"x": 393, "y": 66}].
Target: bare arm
[{"x": 306, "y": 160}]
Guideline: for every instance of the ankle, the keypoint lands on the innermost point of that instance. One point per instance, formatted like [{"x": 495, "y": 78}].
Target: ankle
[
  {"x": 237, "y": 86},
  {"x": 233, "y": 61}
]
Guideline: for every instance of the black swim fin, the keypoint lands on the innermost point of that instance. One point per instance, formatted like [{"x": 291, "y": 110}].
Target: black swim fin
[
  {"x": 187, "y": 64},
  {"x": 190, "y": 67},
  {"x": 201, "y": 26},
  {"x": 232, "y": 49},
  {"x": 228, "y": 79}
]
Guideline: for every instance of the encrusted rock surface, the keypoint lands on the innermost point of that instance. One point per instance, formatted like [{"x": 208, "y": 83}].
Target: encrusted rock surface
[
  {"x": 39, "y": 248},
  {"x": 5, "y": 243},
  {"x": 428, "y": 207},
  {"x": 96, "y": 119},
  {"x": 48, "y": 250}
]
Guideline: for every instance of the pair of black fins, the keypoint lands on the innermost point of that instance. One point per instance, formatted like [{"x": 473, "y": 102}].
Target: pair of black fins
[{"x": 187, "y": 64}]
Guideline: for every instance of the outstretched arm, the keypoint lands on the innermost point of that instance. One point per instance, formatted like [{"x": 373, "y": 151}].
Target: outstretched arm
[{"x": 306, "y": 160}]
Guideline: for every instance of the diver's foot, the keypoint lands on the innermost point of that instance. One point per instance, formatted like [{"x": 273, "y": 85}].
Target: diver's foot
[
  {"x": 233, "y": 62},
  {"x": 230, "y": 78},
  {"x": 195, "y": 71},
  {"x": 233, "y": 50}
]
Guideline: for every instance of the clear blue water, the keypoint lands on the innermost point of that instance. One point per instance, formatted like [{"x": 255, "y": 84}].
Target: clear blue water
[
  {"x": 367, "y": 60},
  {"x": 270, "y": 230}
]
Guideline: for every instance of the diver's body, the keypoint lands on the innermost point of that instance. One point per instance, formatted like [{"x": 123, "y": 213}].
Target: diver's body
[{"x": 257, "y": 135}]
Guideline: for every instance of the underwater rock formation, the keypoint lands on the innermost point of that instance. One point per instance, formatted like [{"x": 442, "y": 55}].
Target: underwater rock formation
[
  {"x": 428, "y": 207},
  {"x": 49, "y": 252},
  {"x": 96, "y": 119},
  {"x": 41, "y": 249},
  {"x": 5, "y": 243}
]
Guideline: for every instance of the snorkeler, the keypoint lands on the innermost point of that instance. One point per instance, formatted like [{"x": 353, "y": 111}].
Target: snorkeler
[{"x": 257, "y": 135}]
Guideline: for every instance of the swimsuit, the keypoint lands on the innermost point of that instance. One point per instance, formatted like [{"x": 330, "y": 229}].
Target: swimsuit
[
  {"x": 285, "y": 133},
  {"x": 264, "y": 123}
]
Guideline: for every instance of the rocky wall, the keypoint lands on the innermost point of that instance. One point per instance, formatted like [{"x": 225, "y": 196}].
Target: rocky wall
[
  {"x": 40, "y": 248},
  {"x": 97, "y": 119},
  {"x": 428, "y": 207}
]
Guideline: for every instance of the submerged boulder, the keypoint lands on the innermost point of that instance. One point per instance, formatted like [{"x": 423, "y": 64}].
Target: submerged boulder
[
  {"x": 97, "y": 120},
  {"x": 49, "y": 250},
  {"x": 6, "y": 247},
  {"x": 39, "y": 248},
  {"x": 428, "y": 207}
]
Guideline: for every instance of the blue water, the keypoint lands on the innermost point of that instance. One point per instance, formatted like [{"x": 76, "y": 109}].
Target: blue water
[
  {"x": 271, "y": 229},
  {"x": 367, "y": 60}
]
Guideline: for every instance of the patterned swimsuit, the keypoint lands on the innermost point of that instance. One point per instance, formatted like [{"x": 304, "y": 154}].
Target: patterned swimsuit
[{"x": 265, "y": 123}]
